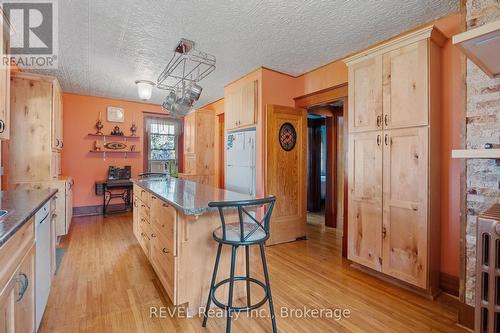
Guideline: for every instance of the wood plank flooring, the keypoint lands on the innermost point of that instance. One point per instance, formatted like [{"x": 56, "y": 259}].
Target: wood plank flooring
[{"x": 105, "y": 284}]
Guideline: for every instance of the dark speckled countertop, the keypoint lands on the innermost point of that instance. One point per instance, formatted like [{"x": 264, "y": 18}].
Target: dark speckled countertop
[
  {"x": 189, "y": 197},
  {"x": 21, "y": 206}
]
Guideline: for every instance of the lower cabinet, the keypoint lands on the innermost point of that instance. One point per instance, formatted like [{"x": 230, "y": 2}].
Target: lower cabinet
[
  {"x": 155, "y": 228},
  {"x": 17, "y": 282}
]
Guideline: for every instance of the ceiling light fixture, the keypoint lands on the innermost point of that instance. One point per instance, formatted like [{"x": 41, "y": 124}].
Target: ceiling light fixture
[{"x": 144, "y": 89}]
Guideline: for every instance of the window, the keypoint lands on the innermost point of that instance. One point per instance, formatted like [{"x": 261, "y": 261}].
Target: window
[{"x": 162, "y": 140}]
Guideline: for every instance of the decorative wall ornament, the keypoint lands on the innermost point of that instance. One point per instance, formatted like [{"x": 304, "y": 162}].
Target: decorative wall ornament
[
  {"x": 115, "y": 114},
  {"x": 115, "y": 145},
  {"x": 287, "y": 136},
  {"x": 116, "y": 131},
  {"x": 133, "y": 129}
]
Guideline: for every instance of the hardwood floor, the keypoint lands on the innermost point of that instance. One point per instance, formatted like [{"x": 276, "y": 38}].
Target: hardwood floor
[{"x": 105, "y": 284}]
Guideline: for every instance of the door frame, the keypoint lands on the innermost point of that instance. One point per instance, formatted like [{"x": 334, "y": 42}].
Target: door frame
[{"x": 316, "y": 99}]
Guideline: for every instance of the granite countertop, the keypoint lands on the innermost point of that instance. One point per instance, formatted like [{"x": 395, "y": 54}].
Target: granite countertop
[
  {"x": 189, "y": 197},
  {"x": 21, "y": 206}
]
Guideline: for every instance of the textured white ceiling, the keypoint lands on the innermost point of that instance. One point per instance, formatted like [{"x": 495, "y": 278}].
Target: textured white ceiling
[{"x": 104, "y": 46}]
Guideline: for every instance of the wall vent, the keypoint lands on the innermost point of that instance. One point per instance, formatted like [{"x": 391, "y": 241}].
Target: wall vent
[{"x": 487, "y": 316}]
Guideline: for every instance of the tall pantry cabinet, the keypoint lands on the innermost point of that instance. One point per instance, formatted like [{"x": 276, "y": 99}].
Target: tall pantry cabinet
[
  {"x": 393, "y": 158},
  {"x": 36, "y": 141}
]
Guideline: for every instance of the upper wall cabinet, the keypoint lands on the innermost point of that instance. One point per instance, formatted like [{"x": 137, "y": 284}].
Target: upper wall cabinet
[
  {"x": 389, "y": 85},
  {"x": 405, "y": 86},
  {"x": 4, "y": 82},
  {"x": 240, "y": 105},
  {"x": 365, "y": 95},
  {"x": 57, "y": 117},
  {"x": 35, "y": 105}
]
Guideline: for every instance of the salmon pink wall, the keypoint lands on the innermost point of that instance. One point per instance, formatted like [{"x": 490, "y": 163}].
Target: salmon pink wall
[
  {"x": 453, "y": 112},
  {"x": 80, "y": 115},
  {"x": 329, "y": 75}
]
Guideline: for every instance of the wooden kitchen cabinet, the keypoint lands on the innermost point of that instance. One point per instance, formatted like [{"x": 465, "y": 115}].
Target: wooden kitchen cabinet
[
  {"x": 57, "y": 117},
  {"x": 4, "y": 81},
  {"x": 393, "y": 160},
  {"x": 405, "y": 226},
  {"x": 405, "y": 86},
  {"x": 365, "y": 95},
  {"x": 199, "y": 145},
  {"x": 365, "y": 199},
  {"x": 240, "y": 106},
  {"x": 35, "y": 103},
  {"x": 24, "y": 309},
  {"x": 17, "y": 281}
]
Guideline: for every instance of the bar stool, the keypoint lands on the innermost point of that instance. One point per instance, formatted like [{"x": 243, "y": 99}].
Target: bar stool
[{"x": 247, "y": 232}]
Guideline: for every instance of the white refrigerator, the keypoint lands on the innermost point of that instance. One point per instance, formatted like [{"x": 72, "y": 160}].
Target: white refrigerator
[{"x": 240, "y": 161}]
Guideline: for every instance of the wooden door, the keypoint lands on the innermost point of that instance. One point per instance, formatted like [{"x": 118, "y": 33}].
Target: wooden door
[
  {"x": 249, "y": 104},
  {"x": 405, "y": 92},
  {"x": 286, "y": 174},
  {"x": 365, "y": 199},
  {"x": 24, "y": 309},
  {"x": 365, "y": 95},
  {"x": 4, "y": 83},
  {"x": 189, "y": 133},
  {"x": 405, "y": 205}
]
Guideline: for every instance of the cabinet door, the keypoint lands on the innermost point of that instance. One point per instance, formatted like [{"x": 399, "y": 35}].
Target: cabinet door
[
  {"x": 233, "y": 109},
  {"x": 249, "y": 104},
  {"x": 406, "y": 86},
  {"x": 365, "y": 95},
  {"x": 365, "y": 199},
  {"x": 24, "y": 308},
  {"x": 4, "y": 84},
  {"x": 405, "y": 205},
  {"x": 56, "y": 131},
  {"x": 69, "y": 204},
  {"x": 55, "y": 167},
  {"x": 164, "y": 264},
  {"x": 135, "y": 219},
  {"x": 7, "y": 303},
  {"x": 189, "y": 133}
]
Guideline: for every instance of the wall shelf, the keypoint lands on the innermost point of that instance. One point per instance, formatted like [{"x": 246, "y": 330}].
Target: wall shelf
[
  {"x": 482, "y": 46},
  {"x": 476, "y": 153},
  {"x": 109, "y": 137}
]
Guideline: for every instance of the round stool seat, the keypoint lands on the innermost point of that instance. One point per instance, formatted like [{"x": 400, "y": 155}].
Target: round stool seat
[{"x": 233, "y": 233}]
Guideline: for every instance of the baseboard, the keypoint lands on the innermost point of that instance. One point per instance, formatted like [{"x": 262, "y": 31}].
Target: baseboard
[
  {"x": 449, "y": 283},
  {"x": 466, "y": 316},
  {"x": 95, "y": 210}
]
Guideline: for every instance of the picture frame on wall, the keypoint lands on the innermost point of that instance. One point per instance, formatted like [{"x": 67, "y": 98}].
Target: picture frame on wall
[{"x": 115, "y": 114}]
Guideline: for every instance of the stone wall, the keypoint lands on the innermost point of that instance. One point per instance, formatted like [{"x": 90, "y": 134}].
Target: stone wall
[{"x": 483, "y": 125}]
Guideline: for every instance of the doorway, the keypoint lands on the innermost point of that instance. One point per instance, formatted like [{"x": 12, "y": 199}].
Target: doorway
[{"x": 325, "y": 165}]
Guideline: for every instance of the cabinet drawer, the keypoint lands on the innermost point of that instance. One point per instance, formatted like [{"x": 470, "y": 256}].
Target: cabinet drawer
[
  {"x": 164, "y": 222},
  {"x": 143, "y": 211},
  {"x": 144, "y": 241},
  {"x": 164, "y": 264}
]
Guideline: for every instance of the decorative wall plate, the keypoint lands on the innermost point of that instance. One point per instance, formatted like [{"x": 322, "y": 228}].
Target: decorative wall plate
[
  {"x": 115, "y": 145},
  {"x": 287, "y": 136}
]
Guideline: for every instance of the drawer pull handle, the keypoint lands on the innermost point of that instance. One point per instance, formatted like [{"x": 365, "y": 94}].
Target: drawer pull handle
[
  {"x": 24, "y": 282},
  {"x": 152, "y": 197},
  {"x": 165, "y": 205},
  {"x": 164, "y": 250},
  {"x": 153, "y": 236}
]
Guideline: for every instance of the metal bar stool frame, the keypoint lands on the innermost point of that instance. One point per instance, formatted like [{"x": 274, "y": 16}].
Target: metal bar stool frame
[{"x": 245, "y": 241}]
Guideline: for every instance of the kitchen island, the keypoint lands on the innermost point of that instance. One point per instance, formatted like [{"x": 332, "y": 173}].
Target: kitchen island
[{"x": 174, "y": 226}]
